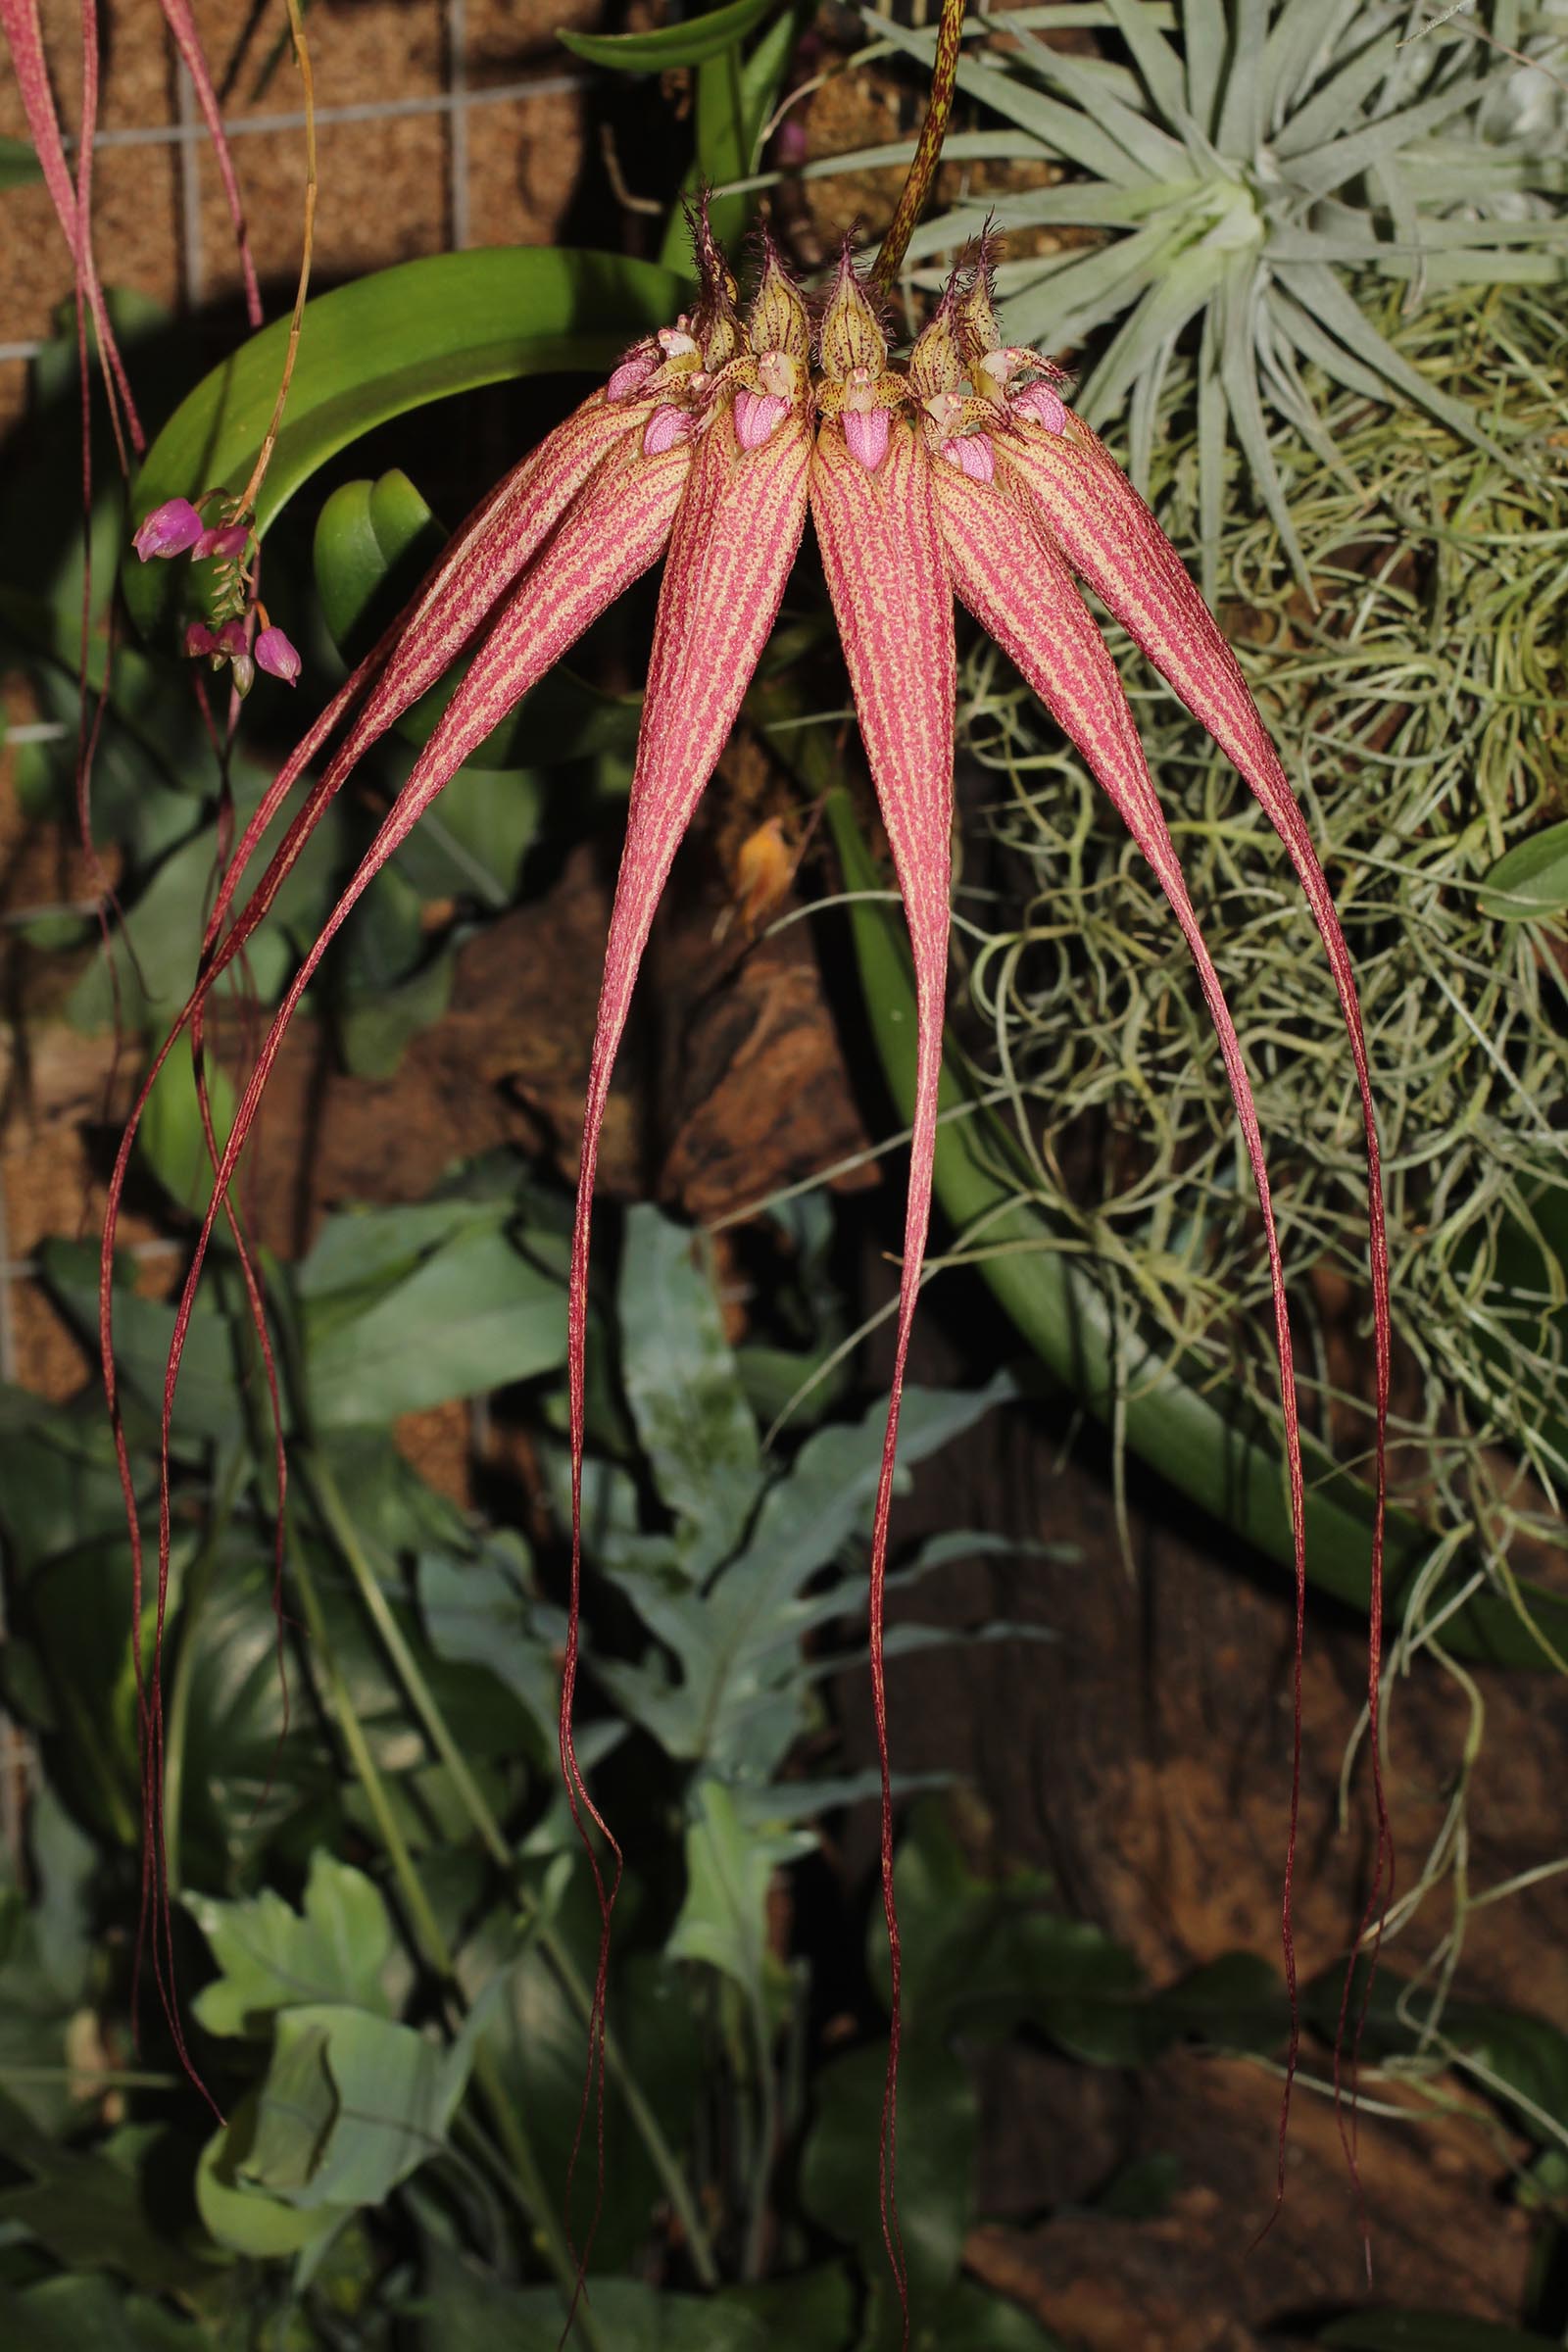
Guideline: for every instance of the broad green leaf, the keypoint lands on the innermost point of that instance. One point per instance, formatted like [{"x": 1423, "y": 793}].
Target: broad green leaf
[
  {"x": 90, "y": 2212},
  {"x": 352, "y": 2105},
  {"x": 71, "y": 2313},
  {"x": 1226, "y": 1463},
  {"x": 207, "y": 1403},
  {"x": 479, "y": 1611},
  {"x": 681, "y": 1383},
  {"x": 375, "y": 542},
  {"x": 1530, "y": 881},
  {"x": 938, "y": 2125},
  {"x": 729, "y": 1868},
  {"x": 246, "y": 2220},
  {"x": 474, "y": 1315},
  {"x": 687, "y": 43},
  {"x": 335, "y": 1948},
  {"x": 372, "y": 351}
]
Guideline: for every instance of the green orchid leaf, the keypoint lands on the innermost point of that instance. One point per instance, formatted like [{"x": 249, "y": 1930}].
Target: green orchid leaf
[
  {"x": 335, "y": 1948},
  {"x": 373, "y": 350},
  {"x": 688, "y": 43},
  {"x": 1227, "y": 1464},
  {"x": 735, "y": 98},
  {"x": 1528, "y": 883},
  {"x": 1206, "y": 40},
  {"x": 375, "y": 542}
]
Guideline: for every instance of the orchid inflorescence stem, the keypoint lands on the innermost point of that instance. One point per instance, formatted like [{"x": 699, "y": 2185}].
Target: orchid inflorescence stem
[{"x": 928, "y": 150}]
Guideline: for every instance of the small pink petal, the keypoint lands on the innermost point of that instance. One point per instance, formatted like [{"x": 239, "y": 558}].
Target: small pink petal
[
  {"x": 199, "y": 640},
  {"x": 276, "y": 656},
  {"x": 971, "y": 453},
  {"x": 665, "y": 427},
  {"x": 1042, "y": 405},
  {"x": 756, "y": 415},
  {"x": 631, "y": 376},
  {"x": 226, "y": 542},
  {"x": 169, "y": 529},
  {"x": 866, "y": 433},
  {"x": 231, "y": 637}
]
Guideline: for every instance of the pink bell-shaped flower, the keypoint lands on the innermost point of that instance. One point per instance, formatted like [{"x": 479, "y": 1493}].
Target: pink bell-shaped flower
[
  {"x": 274, "y": 653},
  {"x": 169, "y": 529}
]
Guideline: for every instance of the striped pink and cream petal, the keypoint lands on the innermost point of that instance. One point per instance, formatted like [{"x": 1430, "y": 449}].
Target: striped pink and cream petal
[
  {"x": 1017, "y": 587},
  {"x": 506, "y": 532},
  {"x": 618, "y": 530},
  {"x": 1107, "y": 534},
  {"x": 734, "y": 542},
  {"x": 887, "y": 576}
]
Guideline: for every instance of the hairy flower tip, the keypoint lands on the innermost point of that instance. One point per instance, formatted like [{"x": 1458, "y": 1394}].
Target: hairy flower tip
[
  {"x": 1043, "y": 404},
  {"x": 718, "y": 321},
  {"x": 779, "y": 319},
  {"x": 975, "y": 306},
  {"x": 972, "y": 453},
  {"x": 224, "y": 543},
  {"x": 169, "y": 529},
  {"x": 199, "y": 640},
  {"x": 665, "y": 427},
  {"x": 634, "y": 370},
  {"x": 277, "y": 657},
  {"x": 852, "y": 335},
  {"x": 865, "y": 430},
  {"x": 756, "y": 415}
]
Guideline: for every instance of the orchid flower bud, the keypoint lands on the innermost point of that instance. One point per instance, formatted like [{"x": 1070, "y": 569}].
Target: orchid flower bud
[
  {"x": 276, "y": 656},
  {"x": 169, "y": 529}
]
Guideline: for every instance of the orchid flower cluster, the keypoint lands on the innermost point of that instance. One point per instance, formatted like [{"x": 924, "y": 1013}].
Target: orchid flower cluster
[
  {"x": 224, "y": 637},
  {"x": 960, "y": 477}
]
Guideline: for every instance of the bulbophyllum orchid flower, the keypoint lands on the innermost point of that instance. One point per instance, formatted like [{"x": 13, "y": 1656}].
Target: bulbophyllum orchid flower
[{"x": 961, "y": 474}]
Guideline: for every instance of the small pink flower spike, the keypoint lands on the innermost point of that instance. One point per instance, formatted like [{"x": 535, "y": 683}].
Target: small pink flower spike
[
  {"x": 226, "y": 541},
  {"x": 888, "y": 579},
  {"x": 276, "y": 656},
  {"x": 169, "y": 530}
]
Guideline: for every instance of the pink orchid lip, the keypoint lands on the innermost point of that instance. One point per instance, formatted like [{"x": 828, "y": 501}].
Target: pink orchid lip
[
  {"x": 972, "y": 453},
  {"x": 756, "y": 415},
  {"x": 1042, "y": 405},
  {"x": 226, "y": 542},
  {"x": 866, "y": 433},
  {"x": 631, "y": 376},
  {"x": 665, "y": 427}
]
